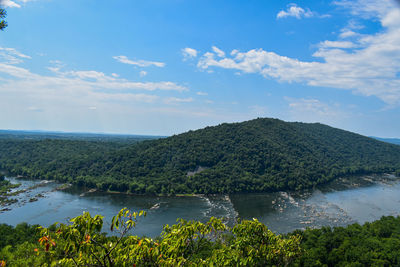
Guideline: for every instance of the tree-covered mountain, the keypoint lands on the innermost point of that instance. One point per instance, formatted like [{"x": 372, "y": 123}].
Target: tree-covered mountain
[{"x": 254, "y": 156}]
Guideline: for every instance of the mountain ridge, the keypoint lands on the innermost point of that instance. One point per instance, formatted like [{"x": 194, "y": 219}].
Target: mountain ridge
[{"x": 259, "y": 155}]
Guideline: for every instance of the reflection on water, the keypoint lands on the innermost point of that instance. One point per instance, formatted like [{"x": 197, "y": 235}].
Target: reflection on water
[{"x": 343, "y": 202}]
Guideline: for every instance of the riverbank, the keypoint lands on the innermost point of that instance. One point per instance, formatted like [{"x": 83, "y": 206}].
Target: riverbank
[
  {"x": 6, "y": 192},
  {"x": 9, "y": 194}
]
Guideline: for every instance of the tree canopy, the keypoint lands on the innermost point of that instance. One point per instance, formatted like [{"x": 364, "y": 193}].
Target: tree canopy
[
  {"x": 3, "y": 23},
  {"x": 194, "y": 243},
  {"x": 260, "y": 155},
  {"x": 187, "y": 243}
]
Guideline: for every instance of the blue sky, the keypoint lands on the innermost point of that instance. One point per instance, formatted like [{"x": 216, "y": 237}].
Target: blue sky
[{"x": 164, "y": 67}]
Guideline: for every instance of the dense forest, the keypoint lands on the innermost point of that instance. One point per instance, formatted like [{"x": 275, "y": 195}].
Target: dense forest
[
  {"x": 371, "y": 244},
  {"x": 192, "y": 243},
  {"x": 39, "y": 135},
  {"x": 260, "y": 155}
]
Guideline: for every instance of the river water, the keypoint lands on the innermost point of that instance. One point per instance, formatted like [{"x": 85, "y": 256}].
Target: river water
[{"x": 346, "y": 201}]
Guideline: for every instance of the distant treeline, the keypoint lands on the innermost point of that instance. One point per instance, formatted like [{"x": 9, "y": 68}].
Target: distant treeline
[
  {"x": 261, "y": 155},
  {"x": 39, "y": 135},
  {"x": 192, "y": 243}
]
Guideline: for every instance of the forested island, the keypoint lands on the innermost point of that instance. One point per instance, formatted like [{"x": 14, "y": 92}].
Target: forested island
[{"x": 261, "y": 155}]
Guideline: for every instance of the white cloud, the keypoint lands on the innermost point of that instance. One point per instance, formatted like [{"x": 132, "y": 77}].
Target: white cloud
[
  {"x": 97, "y": 79},
  {"x": 177, "y": 100},
  {"x": 143, "y": 73},
  {"x": 73, "y": 88},
  {"x": 347, "y": 33},
  {"x": 189, "y": 53},
  {"x": 370, "y": 68},
  {"x": 202, "y": 93},
  {"x": 218, "y": 51},
  {"x": 140, "y": 63},
  {"x": 13, "y": 3},
  {"x": 295, "y": 11},
  {"x": 336, "y": 44},
  {"x": 9, "y": 3},
  {"x": 56, "y": 62},
  {"x": 12, "y": 56},
  {"x": 368, "y": 8}
]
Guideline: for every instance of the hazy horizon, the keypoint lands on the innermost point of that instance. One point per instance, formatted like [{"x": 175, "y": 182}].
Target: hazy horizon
[{"x": 140, "y": 134}]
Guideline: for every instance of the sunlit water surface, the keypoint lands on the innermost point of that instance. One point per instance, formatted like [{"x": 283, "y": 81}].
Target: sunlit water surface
[{"x": 344, "y": 202}]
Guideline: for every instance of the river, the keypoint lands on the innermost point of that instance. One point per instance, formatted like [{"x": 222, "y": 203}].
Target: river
[{"x": 346, "y": 201}]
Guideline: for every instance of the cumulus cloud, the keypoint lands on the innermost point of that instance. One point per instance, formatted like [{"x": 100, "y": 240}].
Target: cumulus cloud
[
  {"x": 369, "y": 65},
  {"x": 140, "y": 63},
  {"x": 143, "y": 73},
  {"x": 346, "y": 33},
  {"x": 189, "y": 53},
  {"x": 218, "y": 51},
  {"x": 295, "y": 11}
]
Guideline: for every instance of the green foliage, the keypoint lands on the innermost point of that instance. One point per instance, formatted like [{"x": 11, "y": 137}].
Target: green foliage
[
  {"x": 193, "y": 243},
  {"x": 261, "y": 155},
  {"x": 25, "y": 254},
  {"x": 3, "y": 23},
  {"x": 187, "y": 243},
  {"x": 372, "y": 244},
  {"x": 254, "y": 245},
  {"x": 12, "y": 236},
  {"x": 17, "y": 244}
]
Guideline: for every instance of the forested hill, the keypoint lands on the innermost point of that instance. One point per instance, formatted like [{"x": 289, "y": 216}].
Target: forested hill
[{"x": 253, "y": 156}]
